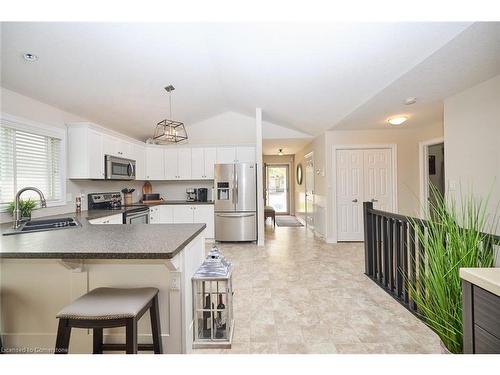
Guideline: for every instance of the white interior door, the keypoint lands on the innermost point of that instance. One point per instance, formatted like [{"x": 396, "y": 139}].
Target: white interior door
[
  {"x": 378, "y": 178},
  {"x": 362, "y": 175},
  {"x": 350, "y": 193}
]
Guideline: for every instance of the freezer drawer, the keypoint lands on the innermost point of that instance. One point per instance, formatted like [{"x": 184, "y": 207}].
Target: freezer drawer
[{"x": 235, "y": 226}]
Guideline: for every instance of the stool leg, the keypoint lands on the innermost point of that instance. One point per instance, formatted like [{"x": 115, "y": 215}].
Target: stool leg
[
  {"x": 63, "y": 335},
  {"x": 97, "y": 341},
  {"x": 154, "y": 314},
  {"x": 131, "y": 345}
]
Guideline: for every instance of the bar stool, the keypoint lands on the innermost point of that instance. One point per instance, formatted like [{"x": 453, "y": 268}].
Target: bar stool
[{"x": 109, "y": 308}]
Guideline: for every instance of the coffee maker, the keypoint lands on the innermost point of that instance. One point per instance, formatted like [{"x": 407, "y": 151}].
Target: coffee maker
[{"x": 191, "y": 195}]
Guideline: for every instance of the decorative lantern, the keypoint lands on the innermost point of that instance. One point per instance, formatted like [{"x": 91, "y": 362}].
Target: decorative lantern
[
  {"x": 213, "y": 303},
  {"x": 169, "y": 131}
]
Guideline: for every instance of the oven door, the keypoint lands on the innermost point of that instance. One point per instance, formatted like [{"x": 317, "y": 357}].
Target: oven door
[
  {"x": 136, "y": 217},
  {"x": 119, "y": 168}
]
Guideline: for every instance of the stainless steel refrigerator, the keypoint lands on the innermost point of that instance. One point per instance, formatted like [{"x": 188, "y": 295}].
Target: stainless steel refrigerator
[{"x": 235, "y": 202}]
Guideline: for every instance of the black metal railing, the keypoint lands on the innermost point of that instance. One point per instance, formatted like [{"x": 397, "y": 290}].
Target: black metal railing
[{"x": 394, "y": 254}]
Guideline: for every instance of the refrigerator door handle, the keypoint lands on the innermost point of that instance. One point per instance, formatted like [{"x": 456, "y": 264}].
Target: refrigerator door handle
[
  {"x": 236, "y": 187},
  {"x": 235, "y": 215}
]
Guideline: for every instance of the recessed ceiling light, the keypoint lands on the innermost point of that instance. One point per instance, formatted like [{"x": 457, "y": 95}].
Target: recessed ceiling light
[
  {"x": 280, "y": 152},
  {"x": 410, "y": 100},
  {"x": 30, "y": 57},
  {"x": 397, "y": 120}
]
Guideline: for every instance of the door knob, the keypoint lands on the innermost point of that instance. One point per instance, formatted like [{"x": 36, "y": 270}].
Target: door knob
[
  {"x": 354, "y": 201},
  {"x": 374, "y": 200}
]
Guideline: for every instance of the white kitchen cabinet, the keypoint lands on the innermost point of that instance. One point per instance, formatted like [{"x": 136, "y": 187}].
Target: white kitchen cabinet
[
  {"x": 226, "y": 155},
  {"x": 210, "y": 157},
  {"x": 204, "y": 213},
  {"x": 154, "y": 215},
  {"x": 166, "y": 214},
  {"x": 85, "y": 155},
  {"x": 117, "y": 147},
  {"x": 183, "y": 214},
  {"x": 112, "y": 219},
  {"x": 245, "y": 154},
  {"x": 170, "y": 156},
  {"x": 155, "y": 163},
  {"x": 177, "y": 163},
  {"x": 139, "y": 155},
  {"x": 240, "y": 154},
  {"x": 202, "y": 163},
  {"x": 184, "y": 163}
]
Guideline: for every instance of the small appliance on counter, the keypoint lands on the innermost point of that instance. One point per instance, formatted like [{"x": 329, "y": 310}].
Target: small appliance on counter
[
  {"x": 191, "y": 195},
  {"x": 147, "y": 194},
  {"x": 104, "y": 201},
  {"x": 201, "y": 194}
]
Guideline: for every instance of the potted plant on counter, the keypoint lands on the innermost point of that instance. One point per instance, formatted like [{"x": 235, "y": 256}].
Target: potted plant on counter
[
  {"x": 455, "y": 237},
  {"x": 26, "y": 207}
]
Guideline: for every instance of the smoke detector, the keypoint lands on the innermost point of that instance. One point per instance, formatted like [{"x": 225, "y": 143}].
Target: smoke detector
[
  {"x": 30, "y": 57},
  {"x": 410, "y": 100}
]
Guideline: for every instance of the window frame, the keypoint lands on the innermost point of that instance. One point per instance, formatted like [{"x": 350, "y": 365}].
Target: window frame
[{"x": 38, "y": 128}]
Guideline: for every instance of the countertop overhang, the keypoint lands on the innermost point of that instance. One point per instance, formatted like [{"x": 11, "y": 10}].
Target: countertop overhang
[
  {"x": 486, "y": 278},
  {"x": 109, "y": 241}
]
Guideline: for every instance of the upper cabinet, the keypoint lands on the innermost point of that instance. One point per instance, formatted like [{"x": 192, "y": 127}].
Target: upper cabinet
[
  {"x": 177, "y": 163},
  {"x": 139, "y": 155},
  {"x": 240, "y": 154},
  {"x": 85, "y": 154},
  {"x": 117, "y": 147},
  {"x": 155, "y": 163},
  {"x": 202, "y": 163}
]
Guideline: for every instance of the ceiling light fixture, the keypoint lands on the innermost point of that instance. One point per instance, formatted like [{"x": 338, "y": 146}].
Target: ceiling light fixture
[
  {"x": 169, "y": 131},
  {"x": 30, "y": 57},
  {"x": 410, "y": 100},
  {"x": 397, "y": 120},
  {"x": 280, "y": 152}
]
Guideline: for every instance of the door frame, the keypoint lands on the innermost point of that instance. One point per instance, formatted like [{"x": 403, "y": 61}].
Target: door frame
[
  {"x": 309, "y": 155},
  {"x": 394, "y": 163},
  {"x": 288, "y": 193},
  {"x": 423, "y": 154}
]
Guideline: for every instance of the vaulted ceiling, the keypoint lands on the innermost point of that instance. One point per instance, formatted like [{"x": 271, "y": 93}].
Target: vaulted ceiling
[{"x": 307, "y": 77}]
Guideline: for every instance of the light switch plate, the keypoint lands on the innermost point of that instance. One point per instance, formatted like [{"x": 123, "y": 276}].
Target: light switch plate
[{"x": 175, "y": 281}]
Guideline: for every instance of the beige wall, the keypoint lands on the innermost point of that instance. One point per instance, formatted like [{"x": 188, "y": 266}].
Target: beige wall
[
  {"x": 407, "y": 141},
  {"x": 317, "y": 146},
  {"x": 472, "y": 142},
  {"x": 285, "y": 159}
]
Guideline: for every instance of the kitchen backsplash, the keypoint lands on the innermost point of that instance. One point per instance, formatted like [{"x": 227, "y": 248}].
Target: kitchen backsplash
[{"x": 169, "y": 190}]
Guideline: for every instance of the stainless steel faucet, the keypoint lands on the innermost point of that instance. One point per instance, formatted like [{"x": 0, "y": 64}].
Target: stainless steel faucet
[{"x": 17, "y": 210}]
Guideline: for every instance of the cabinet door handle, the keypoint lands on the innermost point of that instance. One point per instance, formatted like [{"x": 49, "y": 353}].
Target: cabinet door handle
[
  {"x": 374, "y": 200},
  {"x": 355, "y": 200}
]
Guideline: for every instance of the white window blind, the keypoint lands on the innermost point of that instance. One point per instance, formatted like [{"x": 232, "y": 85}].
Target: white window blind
[{"x": 29, "y": 159}]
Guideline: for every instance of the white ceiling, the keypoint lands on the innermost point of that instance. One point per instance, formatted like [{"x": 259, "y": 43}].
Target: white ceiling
[
  {"x": 472, "y": 57},
  {"x": 306, "y": 77}
]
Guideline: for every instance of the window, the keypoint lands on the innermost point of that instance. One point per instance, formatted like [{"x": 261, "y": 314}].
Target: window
[{"x": 30, "y": 156}]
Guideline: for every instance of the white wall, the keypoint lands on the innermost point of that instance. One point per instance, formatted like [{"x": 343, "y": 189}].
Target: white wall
[{"x": 472, "y": 142}]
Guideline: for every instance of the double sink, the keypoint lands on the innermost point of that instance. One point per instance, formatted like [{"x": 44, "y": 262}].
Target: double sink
[{"x": 44, "y": 225}]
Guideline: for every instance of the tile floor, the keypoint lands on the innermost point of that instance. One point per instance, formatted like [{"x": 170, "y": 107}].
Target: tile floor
[{"x": 300, "y": 295}]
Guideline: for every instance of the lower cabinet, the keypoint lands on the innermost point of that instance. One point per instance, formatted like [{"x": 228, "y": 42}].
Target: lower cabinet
[
  {"x": 184, "y": 214},
  {"x": 113, "y": 219}
]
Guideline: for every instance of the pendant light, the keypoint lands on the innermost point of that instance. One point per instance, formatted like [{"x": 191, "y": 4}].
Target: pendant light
[{"x": 169, "y": 131}]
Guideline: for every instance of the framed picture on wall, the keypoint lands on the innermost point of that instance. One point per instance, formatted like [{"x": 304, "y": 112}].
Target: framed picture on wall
[{"x": 432, "y": 164}]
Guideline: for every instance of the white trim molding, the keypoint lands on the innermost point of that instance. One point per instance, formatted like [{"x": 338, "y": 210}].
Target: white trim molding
[
  {"x": 423, "y": 154},
  {"x": 394, "y": 160}
]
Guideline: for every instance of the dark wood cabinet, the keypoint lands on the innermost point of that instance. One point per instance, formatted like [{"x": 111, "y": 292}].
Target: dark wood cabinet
[{"x": 481, "y": 319}]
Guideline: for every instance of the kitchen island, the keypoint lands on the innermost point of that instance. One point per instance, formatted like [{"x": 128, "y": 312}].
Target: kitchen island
[{"x": 41, "y": 272}]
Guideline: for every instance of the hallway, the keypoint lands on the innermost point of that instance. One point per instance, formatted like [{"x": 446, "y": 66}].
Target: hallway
[{"x": 301, "y": 295}]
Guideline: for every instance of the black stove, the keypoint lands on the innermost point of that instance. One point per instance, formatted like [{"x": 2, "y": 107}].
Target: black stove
[{"x": 104, "y": 201}]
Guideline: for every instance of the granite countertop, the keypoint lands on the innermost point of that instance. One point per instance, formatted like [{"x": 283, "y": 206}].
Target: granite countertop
[
  {"x": 486, "y": 278},
  {"x": 109, "y": 241}
]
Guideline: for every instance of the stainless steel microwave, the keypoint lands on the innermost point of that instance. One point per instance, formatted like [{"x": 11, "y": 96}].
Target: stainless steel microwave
[{"x": 119, "y": 168}]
